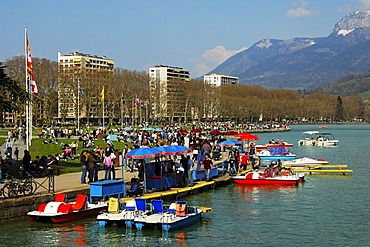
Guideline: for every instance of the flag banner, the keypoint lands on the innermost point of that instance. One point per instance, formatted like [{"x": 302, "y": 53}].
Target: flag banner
[
  {"x": 30, "y": 69},
  {"x": 34, "y": 89},
  {"x": 137, "y": 101},
  {"x": 102, "y": 95},
  {"x": 80, "y": 91}
]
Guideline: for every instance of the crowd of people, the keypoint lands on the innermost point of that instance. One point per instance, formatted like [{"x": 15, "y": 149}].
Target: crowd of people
[{"x": 205, "y": 149}]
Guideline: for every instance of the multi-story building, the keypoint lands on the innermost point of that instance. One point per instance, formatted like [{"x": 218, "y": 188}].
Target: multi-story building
[
  {"x": 220, "y": 80},
  {"x": 166, "y": 91},
  {"x": 92, "y": 72}
]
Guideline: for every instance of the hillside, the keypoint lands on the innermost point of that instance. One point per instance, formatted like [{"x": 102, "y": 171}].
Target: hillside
[
  {"x": 305, "y": 63},
  {"x": 349, "y": 85}
]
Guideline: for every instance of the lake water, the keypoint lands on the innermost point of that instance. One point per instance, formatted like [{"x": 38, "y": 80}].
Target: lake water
[{"x": 326, "y": 210}]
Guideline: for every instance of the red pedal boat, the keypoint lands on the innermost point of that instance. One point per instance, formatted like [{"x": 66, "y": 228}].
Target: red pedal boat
[
  {"x": 262, "y": 178},
  {"x": 58, "y": 211}
]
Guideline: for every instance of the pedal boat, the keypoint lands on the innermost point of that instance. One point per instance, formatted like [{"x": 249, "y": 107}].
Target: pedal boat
[{"x": 59, "y": 211}]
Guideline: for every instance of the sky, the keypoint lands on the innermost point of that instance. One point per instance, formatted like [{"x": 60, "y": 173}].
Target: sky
[{"x": 197, "y": 35}]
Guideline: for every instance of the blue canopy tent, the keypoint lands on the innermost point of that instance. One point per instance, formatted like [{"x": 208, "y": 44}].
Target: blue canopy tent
[{"x": 142, "y": 153}]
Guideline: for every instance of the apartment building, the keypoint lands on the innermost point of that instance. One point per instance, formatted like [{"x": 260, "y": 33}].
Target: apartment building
[
  {"x": 91, "y": 72},
  {"x": 167, "y": 92},
  {"x": 220, "y": 80}
]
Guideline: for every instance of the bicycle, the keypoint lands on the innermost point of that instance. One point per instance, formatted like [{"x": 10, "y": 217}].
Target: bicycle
[
  {"x": 14, "y": 187},
  {"x": 9, "y": 188}
]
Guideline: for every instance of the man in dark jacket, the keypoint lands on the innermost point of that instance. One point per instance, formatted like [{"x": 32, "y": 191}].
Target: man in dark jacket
[{"x": 91, "y": 164}]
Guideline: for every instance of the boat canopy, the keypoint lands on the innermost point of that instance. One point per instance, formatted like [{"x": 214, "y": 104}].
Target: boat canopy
[{"x": 311, "y": 132}]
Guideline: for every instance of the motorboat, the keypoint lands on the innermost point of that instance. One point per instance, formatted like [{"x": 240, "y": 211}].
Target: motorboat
[
  {"x": 178, "y": 215},
  {"x": 59, "y": 211},
  {"x": 266, "y": 178},
  {"x": 316, "y": 138},
  {"x": 125, "y": 215},
  {"x": 305, "y": 161},
  {"x": 269, "y": 155}
]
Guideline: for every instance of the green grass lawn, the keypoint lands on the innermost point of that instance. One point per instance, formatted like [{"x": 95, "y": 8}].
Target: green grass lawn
[{"x": 40, "y": 149}]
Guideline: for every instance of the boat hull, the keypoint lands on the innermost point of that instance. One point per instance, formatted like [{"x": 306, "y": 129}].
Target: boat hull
[
  {"x": 123, "y": 218},
  {"x": 259, "y": 178},
  {"x": 265, "y": 181},
  {"x": 64, "y": 217},
  {"x": 304, "y": 161},
  {"x": 276, "y": 157},
  {"x": 167, "y": 221}
]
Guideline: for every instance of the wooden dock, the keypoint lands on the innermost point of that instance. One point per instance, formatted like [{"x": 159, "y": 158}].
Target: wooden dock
[
  {"x": 175, "y": 193},
  {"x": 310, "y": 169}
]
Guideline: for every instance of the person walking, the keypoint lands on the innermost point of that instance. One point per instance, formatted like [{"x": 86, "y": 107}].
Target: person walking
[
  {"x": 84, "y": 163},
  {"x": 1, "y": 167},
  {"x": 9, "y": 148},
  {"x": 91, "y": 165},
  {"x": 16, "y": 153},
  {"x": 26, "y": 161},
  {"x": 207, "y": 165},
  {"x": 108, "y": 167},
  {"x": 190, "y": 170}
]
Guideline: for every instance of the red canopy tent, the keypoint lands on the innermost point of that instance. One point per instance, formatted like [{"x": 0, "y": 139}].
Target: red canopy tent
[
  {"x": 215, "y": 132},
  {"x": 248, "y": 137},
  {"x": 231, "y": 133}
]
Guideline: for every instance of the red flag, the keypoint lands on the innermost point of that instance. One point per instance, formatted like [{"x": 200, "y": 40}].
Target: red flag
[
  {"x": 137, "y": 101},
  {"x": 30, "y": 69}
]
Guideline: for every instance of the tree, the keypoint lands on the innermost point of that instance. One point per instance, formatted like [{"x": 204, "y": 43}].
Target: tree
[
  {"x": 339, "y": 112},
  {"x": 12, "y": 96}
]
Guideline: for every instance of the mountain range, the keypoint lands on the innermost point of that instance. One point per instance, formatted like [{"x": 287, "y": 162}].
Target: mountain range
[{"x": 305, "y": 63}]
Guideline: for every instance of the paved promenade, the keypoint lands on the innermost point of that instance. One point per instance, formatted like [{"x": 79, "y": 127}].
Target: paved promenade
[{"x": 69, "y": 181}]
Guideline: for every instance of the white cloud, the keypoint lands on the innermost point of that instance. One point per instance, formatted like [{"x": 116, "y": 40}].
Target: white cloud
[
  {"x": 211, "y": 59},
  {"x": 300, "y": 10}
]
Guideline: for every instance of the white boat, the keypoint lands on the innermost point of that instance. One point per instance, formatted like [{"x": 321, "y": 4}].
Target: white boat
[
  {"x": 126, "y": 215},
  {"x": 304, "y": 161},
  {"x": 178, "y": 216},
  {"x": 59, "y": 211},
  {"x": 316, "y": 138}
]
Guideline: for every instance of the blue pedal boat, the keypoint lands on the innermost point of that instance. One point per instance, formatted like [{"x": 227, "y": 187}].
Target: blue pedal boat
[{"x": 178, "y": 215}]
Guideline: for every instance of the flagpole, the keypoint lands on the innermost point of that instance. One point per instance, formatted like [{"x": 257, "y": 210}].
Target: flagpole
[
  {"x": 78, "y": 105},
  {"x": 30, "y": 124},
  {"x": 103, "y": 106},
  {"x": 27, "y": 90}
]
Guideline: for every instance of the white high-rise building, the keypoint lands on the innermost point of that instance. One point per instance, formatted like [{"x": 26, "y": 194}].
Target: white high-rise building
[
  {"x": 92, "y": 72},
  {"x": 166, "y": 91},
  {"x": 220, "y": 80}
]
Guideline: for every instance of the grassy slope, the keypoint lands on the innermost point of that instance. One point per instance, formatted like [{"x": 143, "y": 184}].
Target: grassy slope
[{"x": 40, "y": 149}]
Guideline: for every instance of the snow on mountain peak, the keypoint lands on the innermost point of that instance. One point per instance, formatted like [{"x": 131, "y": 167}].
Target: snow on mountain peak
[
  {"x": 265, "y": 43},
  {"x": 345, "y": 32},
  {"x": 358, "y": 19}
]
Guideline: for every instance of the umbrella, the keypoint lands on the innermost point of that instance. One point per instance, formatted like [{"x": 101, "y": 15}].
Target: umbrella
[
  {"x": 248, "y": 138},
  {"x": 215, "y": 132},
  {"x": 171, "y": 150},
  {"x": 195, "y": 131},
  {"x": 231, "y": 133},
  {"x": 182, "y": 131},
  {"x": 230, "y": 143},
  {"x": 142, "y": 153},
  {"x": 242, "y": 133}
]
